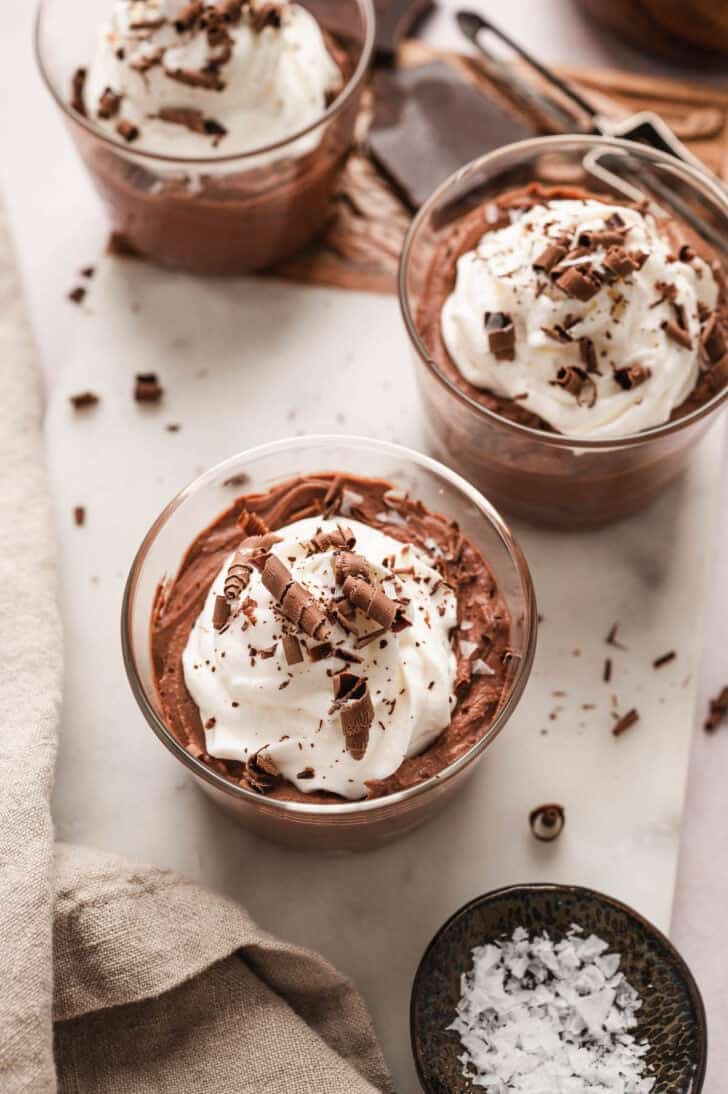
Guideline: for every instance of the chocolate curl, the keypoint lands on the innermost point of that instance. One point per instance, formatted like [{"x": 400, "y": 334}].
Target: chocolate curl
[
  {"x": 260, "y": 544},
  {"x": 109, "y": 104},
  {"x": 677, "y": 334},
  {"x": 576, "y": 381},
  {"x": 261, "y": 773},
  {"x": 620, "y": 262},
  {"x": 220, "y": 613},
  {"x": 579, "y": 283},
  {"x": 342, "y": 538},
  {"x": 713, "y": 340},
  {"x": 292, "y": 650},
  {"x": 594, "y": 239},
  {"x": 373, "y": 602},
  {"x": 501, "y": 335},
  {"x": 351, "y": 692},
  {"x": 251, "y": 524},
  {"x": 348, "y": 564},
  {"x": 550, "y": 258},
  {"x": 296, "y": 602},
  {"x": 588, "y": 354},
  {"x": 238, "y": 576},
  {"x": 78, "y": 84},
  {"x": 208, "y": 78}
]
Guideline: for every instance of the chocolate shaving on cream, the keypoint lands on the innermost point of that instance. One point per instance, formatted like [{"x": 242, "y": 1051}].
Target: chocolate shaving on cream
[
  {"x": 373, "y": 602},
  {"x": 147, "y": 388},
  {"x": 341, "y": 537},
  {"x": 127, "y": 131},
  {"x": 292, "y": 650},
  {"x": 348, "y": 564},
  {"x": 78, "y": 84},
  {"x": 267, "y": 15},
  {"x": 501, "y": 335},
  {"x": 237, "y": 577},
  {"x": 713, "y": 340},
  {"x": 551, "y": 257},
  {"x": 351, "y": 693},
  {"x": 631, "y": 376},
  {"x": 677, "y": 334},
  {"x": 588, "y": 355},
  {"x": 296, "y": 602},
  {"x": 578, "y": 383},
  {"x": 261, "y": 773},
  {"x": 580, "y": 283},
  {"x": 109, "y": 104},
  {"x": 220, "y": 613}
]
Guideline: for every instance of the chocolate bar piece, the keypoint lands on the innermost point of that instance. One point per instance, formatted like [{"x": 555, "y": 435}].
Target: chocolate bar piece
[{"x": 429, "y": 122}]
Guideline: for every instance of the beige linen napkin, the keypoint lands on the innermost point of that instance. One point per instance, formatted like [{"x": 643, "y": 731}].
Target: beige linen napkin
[{"x": 117, "y": 979}]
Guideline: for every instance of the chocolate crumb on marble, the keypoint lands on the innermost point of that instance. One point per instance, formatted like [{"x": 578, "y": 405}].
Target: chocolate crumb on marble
[
  {"x": 607, "y": 673},
  {"x": 84, "y": 400},
  {"x": 612, "y": 639},
  {"x": 147, "y": 388},
  {"x": 718, "y": 711},
  {"x": 547, "y": 821},
  {"x": 664, "y": 659},
  {"x": 625, "y": 722}
]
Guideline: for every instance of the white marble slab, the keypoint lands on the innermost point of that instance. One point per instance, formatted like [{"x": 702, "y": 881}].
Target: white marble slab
[{"x": 245, "y": 362}]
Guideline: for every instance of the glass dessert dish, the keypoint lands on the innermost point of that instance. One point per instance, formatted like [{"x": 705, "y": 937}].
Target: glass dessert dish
[
  {"x": 216, "y": 211},
  {"x": 538, "y": 473},
  {"x": 334, "y": 823}
]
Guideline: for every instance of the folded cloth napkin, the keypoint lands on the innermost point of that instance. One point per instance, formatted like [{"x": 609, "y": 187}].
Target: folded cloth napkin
[{"x": 117, "y": 979}]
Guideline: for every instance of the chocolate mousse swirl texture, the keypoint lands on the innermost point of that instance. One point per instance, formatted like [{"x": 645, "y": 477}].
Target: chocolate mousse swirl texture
[{"x": 336, "y": 643}]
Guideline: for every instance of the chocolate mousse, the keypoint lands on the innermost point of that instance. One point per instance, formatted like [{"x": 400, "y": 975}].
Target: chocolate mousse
[
  {"x": 560, "y": 310},
  {"x": 201, "y": 128},
  {"x": 330, "y": 639}
]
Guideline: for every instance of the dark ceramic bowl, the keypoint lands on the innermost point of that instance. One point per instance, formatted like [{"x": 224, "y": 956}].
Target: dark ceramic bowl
[{"x": 672, "y": 1017}]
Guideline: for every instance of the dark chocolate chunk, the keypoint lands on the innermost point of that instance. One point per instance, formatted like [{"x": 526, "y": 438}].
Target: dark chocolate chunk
[
  {"x": 84, "y": 400},
  {"x": 78, "y": 84},
  {"x": 631, "y": 376},
  {"x": 147, "y": 388},
  {"x": 501, "y": 335},
  {"x": 109, "y": 104},
  {"x": 625, "y": 722},
  {"x": 547, "y": 821},
  {"x": 429, "y": 122}
]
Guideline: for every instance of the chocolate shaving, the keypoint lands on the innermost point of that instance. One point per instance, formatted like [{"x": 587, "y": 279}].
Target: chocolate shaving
[
  {"x": 551, "y": 257},
  {"x": 611, "y": 638},
  {"x": 501, "y": 335},
  {"x": 557, "y": 333},
  {"x": 576, "y": 381},
  {"x": 607, "y": 674},
  {"x": 307, "y": 773},
  {"x": 207, "y": 77},
  {"x": 242, "y": 479},
  {"x": 615, "y": 220},
  {"x": 148, "y": 24},
  {"x": 261, "y": 773},
  {"x": 78, "y": 84},
  {"x": 370, "y": 636},
  {"x": 341, "y": 537},
  {"x": 296, "y": 602},
  {"x": 373, "y": 602},
  {"x": 230, "y": 10},
  {"x": 631, "y": 376},
  {"x": 351, "y": 694},
  {"x": 595, "y": 238},
  {"x": 109, "y": 104},
  {"x": 188, "y": 17},
  {"x": 718, "y": 711},
  {"x": 625, "y": 722},
  {"x": 686, "y": 253},
  {"x": 588, "y": 355},
  {"x": 547, "y": 821},
  {"x": 77, "y": 295},
  {"x": 147, "y": 388},
  {"x": 664, "y": 659},
  {"x": 713, "y": 340},
  {"x": 127, "y": 130},
  {"x": 220, "y": 613},
  {"x": 677, "y": 334},
  {"x": 620, "y": 262},
  {"x": 348, "y": 564},
  {"x": 292, "y": 650},
  {"x": 148, "y": 60},
  {"x": 237, "y": 577},
  {"x": 580, "y": 283},
  {"x": 320, "y": 651},
  {"x": 79, "y": 516},
  {"x": 267, "y": 15},
  {"x": 84, "y": 400}
]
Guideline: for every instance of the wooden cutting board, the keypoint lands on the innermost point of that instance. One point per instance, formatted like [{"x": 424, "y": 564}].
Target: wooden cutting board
[{"x": 361, "y": 247}]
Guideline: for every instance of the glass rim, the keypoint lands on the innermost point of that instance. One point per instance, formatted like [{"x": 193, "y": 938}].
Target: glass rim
[
  {"x": 554, "y": 440},
  {"x": 342, "y": 99},
  {"x": 367, "y": 805}
]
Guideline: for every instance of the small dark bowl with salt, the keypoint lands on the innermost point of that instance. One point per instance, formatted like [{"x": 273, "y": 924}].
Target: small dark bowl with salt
[{"x": 671, "y": 1019}]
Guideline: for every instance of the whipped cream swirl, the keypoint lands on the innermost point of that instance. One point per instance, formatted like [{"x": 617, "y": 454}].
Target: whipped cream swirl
[
  {"x": 194, "y": 80},
  {"x": 604, "y": 355},
  {"x": 252, "y": 701}
]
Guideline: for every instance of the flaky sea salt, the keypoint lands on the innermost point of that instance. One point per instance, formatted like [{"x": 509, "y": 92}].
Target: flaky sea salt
[{"x": 543, "y": 1017}]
